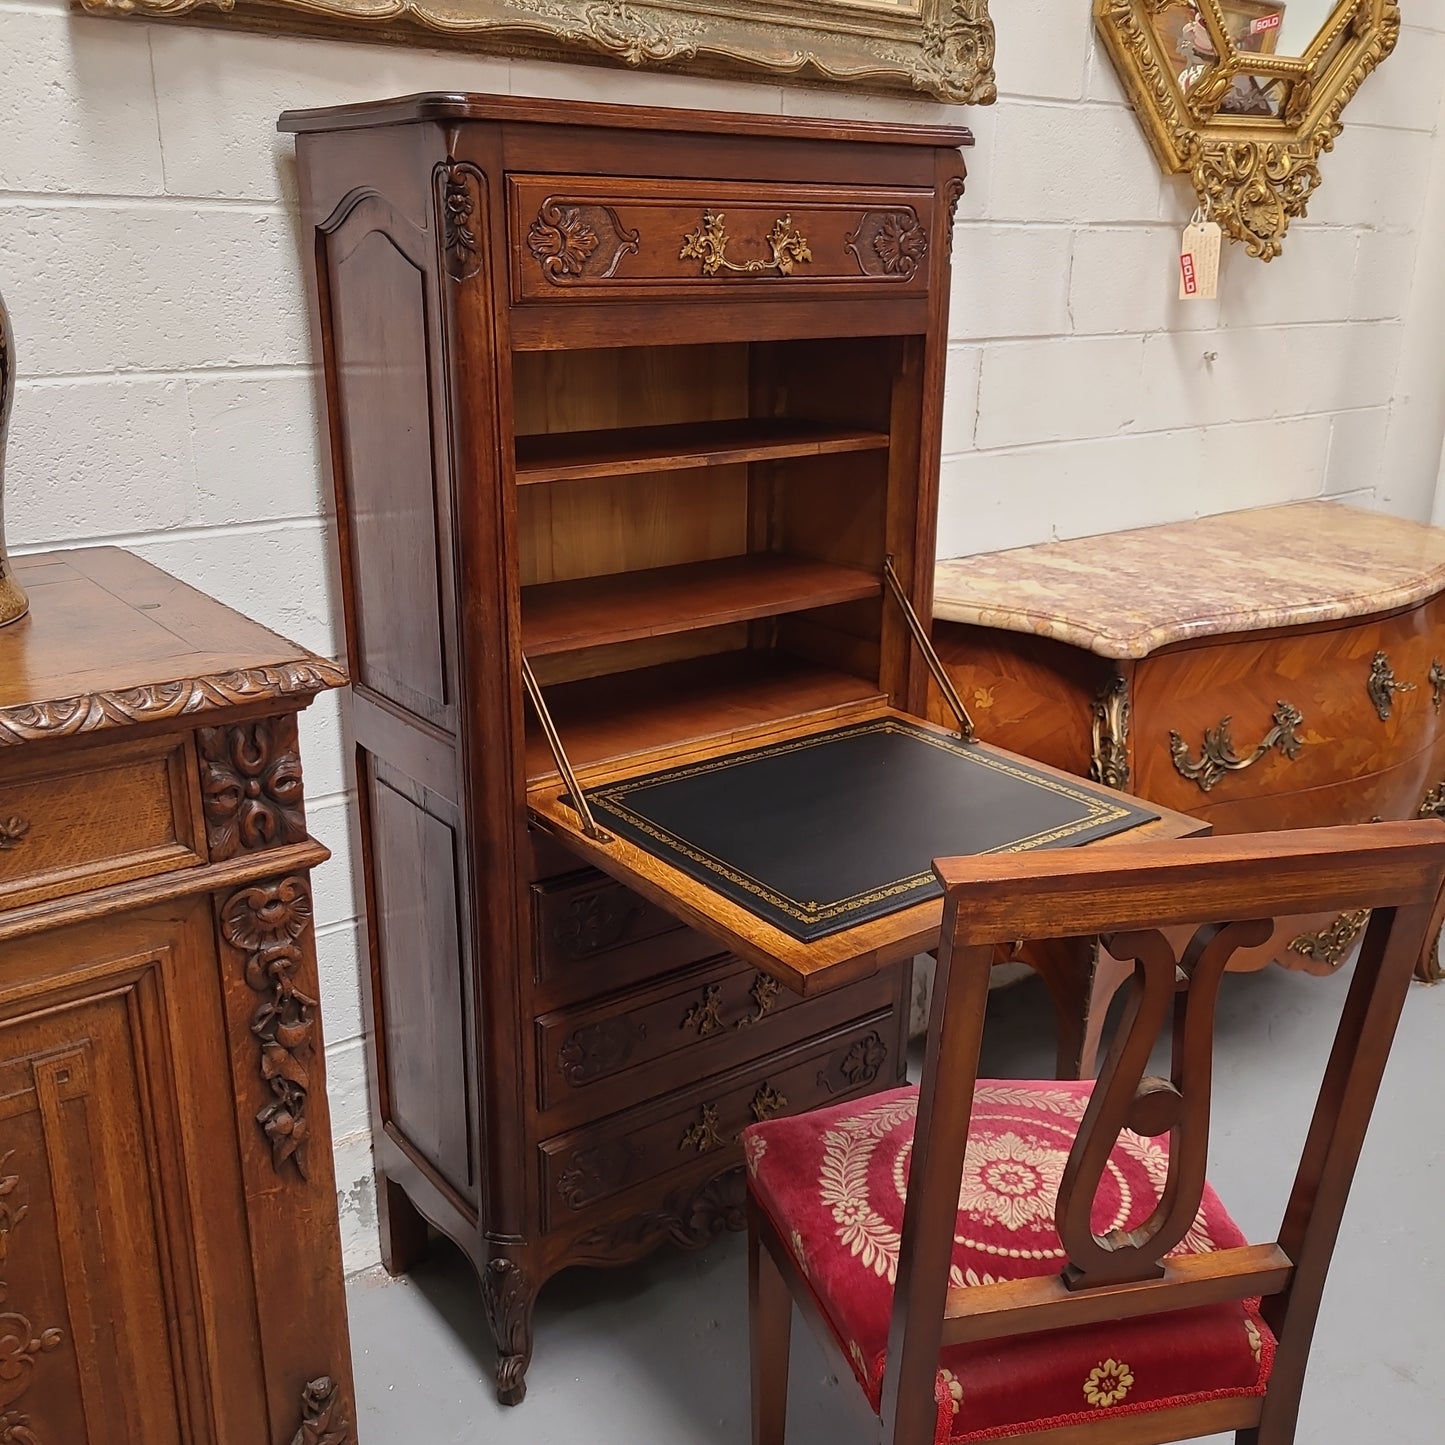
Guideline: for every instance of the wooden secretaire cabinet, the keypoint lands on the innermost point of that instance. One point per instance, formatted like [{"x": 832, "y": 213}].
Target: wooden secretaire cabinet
[
  {"x": 634, "y": 432},
  {"x": 170, "y": 1266},
  {"x": 644, "y": 398}
]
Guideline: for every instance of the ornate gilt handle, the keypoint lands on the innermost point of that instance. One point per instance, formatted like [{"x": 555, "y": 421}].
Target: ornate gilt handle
[
  {"x": 1382, "y": 686},
  {"x": 709, "y": 244},
  {"x": 706, "y": 1015},
  {"x": 1219, "y": 756},
  {"x": 12, "y": 831},
  {"x": 705, "y": 1135}
]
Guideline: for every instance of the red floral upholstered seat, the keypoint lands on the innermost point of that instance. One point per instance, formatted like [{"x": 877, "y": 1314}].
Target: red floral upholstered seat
[{"x": 833, "y": 1185}]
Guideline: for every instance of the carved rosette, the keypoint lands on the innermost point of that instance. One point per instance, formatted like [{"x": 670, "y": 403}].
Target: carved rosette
[
  {"x": 251, "y": 790},
  {"x": 1110, "y": 763},
  {"x": 890, "y": 244},
  {"x": 507, "y": 1297},
  {"x": 324, "y": 1418},
  {"x": 20, "y": 1344},
  {"x": 1255, "y": 183},
  {"x": 459, "y": 199},
  {"x": 600, "y": 1048},
  {"x": 265, "y": 923},
  {"x": 593, "y": 1173},
  {"x": 859, "y": 1066},
  {"x": 579, "y": 241},
  {"x": 161, "y": 702}
]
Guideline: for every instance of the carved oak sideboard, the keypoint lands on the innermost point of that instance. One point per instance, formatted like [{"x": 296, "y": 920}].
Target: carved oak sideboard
[
  {"x": 1277, "y": 668},
  {"x": 170, "y": 1263}
]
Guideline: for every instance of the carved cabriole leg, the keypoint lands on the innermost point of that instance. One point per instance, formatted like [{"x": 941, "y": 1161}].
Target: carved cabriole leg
[
  {"x": 268, "y": 985},
  {"x": 509, "y": 1293}
]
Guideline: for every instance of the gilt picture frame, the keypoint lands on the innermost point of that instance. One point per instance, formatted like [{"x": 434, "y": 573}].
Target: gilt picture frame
[{"x": 937, "y": 49}]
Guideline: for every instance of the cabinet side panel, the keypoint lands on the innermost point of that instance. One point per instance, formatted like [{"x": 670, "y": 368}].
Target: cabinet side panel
[
  {"x": 387, "y": 467},
  {"x": 422, "y": 1005}
]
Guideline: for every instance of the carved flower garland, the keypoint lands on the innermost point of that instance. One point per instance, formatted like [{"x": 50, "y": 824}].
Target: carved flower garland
[{"x": 265, "y": 922}]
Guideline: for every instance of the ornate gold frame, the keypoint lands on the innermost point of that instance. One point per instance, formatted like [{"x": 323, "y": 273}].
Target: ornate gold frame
[
  {"x": 938, "y": 48},
  {"x": 1253, "y": 175}
]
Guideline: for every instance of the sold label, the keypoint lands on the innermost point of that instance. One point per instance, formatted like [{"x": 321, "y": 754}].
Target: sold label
[
  {"x": 1191, "y": 280},
  {"x": 1264, "y": 23}
]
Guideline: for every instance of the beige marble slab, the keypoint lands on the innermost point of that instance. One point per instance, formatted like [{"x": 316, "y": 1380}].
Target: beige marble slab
[{"x": 1126, "y": 594}]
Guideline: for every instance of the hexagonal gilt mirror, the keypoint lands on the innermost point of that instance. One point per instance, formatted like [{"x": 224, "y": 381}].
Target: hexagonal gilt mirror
[{"x": 1246, "y": 95}]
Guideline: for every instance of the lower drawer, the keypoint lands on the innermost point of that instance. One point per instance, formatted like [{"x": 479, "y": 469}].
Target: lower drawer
[
  {"x": 608, "y": 1054},
  {"x": 585, "y": 1167}
]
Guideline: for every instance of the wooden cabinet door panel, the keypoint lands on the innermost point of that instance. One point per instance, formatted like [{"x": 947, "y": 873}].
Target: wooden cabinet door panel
[{"x": 119, "y": 1191}]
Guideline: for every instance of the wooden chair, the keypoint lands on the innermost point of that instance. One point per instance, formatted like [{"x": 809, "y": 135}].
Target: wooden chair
[{"x": 1064, "y": 1273}]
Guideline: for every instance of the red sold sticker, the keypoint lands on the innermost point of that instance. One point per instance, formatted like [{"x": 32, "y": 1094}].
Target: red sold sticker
[
  {"x": 1191, "y": 281},
  {"x": 1264, "y": 23}
]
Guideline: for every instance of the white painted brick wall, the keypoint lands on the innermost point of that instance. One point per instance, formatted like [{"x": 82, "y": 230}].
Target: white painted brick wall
[{"x": 150, "y": 255}]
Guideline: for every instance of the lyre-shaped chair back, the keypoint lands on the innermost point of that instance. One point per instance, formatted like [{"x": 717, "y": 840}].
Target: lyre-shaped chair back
[{"x": 1228, "y": 891}]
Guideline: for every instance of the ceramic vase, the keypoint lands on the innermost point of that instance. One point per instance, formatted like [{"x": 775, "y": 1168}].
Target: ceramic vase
[{"x": 13, "y": 602}]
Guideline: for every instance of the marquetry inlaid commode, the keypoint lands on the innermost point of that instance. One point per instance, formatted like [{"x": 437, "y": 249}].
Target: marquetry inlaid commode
[
  {"x": 1276, "y": 668},
  {"x": 170, "y": 1263}
]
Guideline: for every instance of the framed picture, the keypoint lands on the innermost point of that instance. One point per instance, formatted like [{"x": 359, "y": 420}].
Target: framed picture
[{"x": 942, "y": 49}]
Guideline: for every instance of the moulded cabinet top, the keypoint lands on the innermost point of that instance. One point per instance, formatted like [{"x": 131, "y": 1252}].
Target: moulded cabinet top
[
  {"x": 443, "y": 106},
  {"x": 112, "y": 641}
]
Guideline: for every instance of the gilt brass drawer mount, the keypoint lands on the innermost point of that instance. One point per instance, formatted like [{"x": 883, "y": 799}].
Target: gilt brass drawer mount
[
  {"x": 709, "y": 244},
  {"x": 1382, "y": 686},
  {"x": 1219, "y": 756}
]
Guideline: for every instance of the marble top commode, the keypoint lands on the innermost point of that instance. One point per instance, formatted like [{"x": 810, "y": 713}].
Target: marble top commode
[{"x": 1127, "y": 594}]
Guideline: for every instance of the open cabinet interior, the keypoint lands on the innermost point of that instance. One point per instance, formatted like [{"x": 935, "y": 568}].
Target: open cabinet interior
[{"x": 701, "y": 532}]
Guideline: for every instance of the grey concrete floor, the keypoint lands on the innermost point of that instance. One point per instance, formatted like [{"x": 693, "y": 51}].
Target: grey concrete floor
[{"x": 658, "y": 1352}]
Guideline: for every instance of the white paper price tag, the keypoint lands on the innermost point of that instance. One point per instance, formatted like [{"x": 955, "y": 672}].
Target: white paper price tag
[{"x": 1199, "y": 261}]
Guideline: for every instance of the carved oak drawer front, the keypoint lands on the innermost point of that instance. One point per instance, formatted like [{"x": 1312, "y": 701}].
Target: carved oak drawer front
[
  {"x": 697, "y": 1021},
  {"x": 97, "y": 816},
  {"x": 585, "y": 1166},
  {"x": 590, "y": 935},
  {"x": 591, "y": 238},
  {"x": 1303, "y": 710}
]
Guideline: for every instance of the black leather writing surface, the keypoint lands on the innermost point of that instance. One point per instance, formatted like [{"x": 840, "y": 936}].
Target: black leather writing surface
[{"x": 825, "y": 832}]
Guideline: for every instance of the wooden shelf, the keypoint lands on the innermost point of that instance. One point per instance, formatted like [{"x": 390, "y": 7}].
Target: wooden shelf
[
  {"x": 620, "y": 451},
  {"x": 625, "y": 606},
  {"x": 720, "y": 696}
]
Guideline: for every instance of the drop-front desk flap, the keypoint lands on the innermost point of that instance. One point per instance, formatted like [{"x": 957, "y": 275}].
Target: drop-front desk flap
[{"x": 809, "y": 851}]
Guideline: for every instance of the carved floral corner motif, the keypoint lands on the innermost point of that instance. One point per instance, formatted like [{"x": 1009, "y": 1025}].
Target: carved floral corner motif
[
  {"x": 265, "y": 923},
  {"x": 566, "y": 236},
  {"x": 459, "y": 197},
  {"x": 251, "y": 786},
  {"x": 324, "y": 1420}
]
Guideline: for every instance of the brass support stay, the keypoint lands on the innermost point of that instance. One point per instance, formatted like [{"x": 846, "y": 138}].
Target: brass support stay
[
  {"x": 559, "y": 754},
  {"x": 940, "y": 676}
]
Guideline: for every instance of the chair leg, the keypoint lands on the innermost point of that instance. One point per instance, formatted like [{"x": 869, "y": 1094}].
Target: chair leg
[{"x": 770, "y": 1320}]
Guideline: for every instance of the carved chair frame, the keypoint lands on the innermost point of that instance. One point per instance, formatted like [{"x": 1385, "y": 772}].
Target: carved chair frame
[
  {"x": 938, "y": 48},
  {"x": 1252, "y": 175}
]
